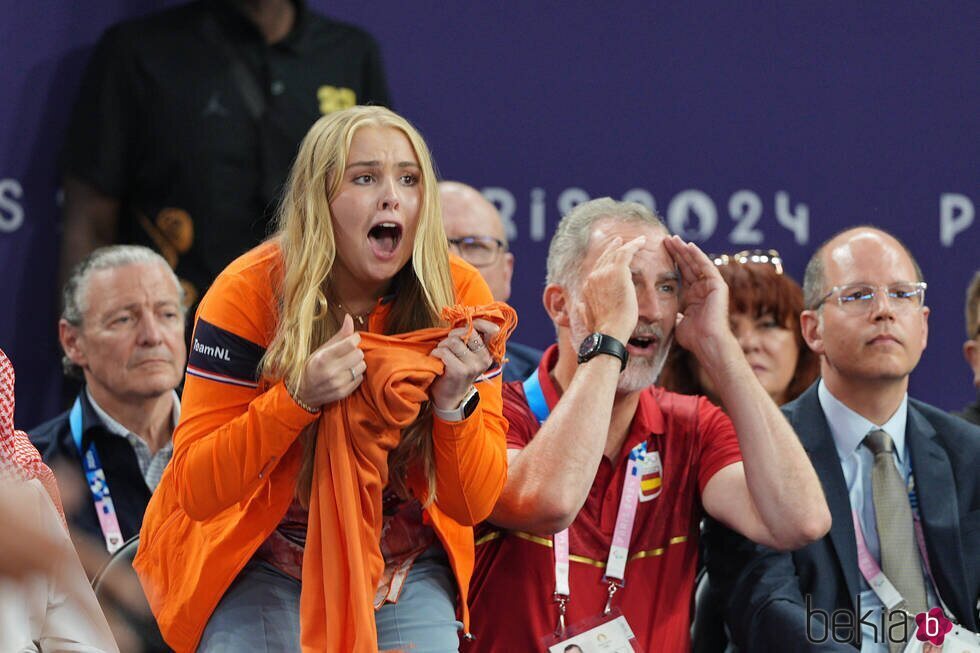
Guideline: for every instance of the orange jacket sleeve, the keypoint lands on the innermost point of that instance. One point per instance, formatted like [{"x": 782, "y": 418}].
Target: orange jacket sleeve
[
  {"x": 471, "y": 455},
  {"x": 232, "y": 431}
]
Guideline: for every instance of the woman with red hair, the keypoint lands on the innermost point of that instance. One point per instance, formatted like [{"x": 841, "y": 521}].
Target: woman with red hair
[{"x": 764, "y": 310}]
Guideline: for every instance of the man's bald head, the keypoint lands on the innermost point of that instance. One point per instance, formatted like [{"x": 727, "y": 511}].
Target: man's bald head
[
  {"x": 814, "y": 278},
  {"x": 467, "y": 214}
]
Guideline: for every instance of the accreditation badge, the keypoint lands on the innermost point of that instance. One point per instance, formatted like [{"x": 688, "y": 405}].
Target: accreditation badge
[
  {"x": 603, "y": 634},
  {"x": 651, "y": 476}
]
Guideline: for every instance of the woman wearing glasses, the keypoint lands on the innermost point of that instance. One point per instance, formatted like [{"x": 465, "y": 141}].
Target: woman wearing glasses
[{"x": 764, "y": 308}]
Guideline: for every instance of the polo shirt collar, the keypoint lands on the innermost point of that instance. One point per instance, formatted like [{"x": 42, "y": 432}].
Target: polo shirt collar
[{"x": 849, "y": 429}]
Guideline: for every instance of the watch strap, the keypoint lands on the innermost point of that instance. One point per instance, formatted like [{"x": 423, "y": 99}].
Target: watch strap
[
  {"x": 607, "y": 345},
  {"x": 461, "y": 412}
]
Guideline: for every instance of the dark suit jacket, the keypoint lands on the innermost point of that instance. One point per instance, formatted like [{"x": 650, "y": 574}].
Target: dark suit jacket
[{"x": 766, "y": 609}]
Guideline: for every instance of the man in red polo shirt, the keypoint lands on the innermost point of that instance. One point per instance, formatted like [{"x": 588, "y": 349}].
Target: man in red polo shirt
[{"x": 564, "y": 551}]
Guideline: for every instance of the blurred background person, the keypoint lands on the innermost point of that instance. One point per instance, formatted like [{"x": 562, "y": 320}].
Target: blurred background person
[
  {"x": 764, "y": 306},
  {"x": 122, "y": 331},
  {"x": 242, "y": 547},
  {"x": 971, "y": 348},
  {"x": 187, "y": 122},
  {"x": 476, "y": 233},
  {"x": 46, "y": 603}
]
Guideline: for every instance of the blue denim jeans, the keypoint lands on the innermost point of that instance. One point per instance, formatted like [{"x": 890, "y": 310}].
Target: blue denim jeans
[
  {"x": 260, "y": 612},
  {"x": 424, "y": 619}
]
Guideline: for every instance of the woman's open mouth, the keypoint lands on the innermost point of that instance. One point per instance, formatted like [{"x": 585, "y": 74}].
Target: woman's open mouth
[{"x": 384, "y": 238}]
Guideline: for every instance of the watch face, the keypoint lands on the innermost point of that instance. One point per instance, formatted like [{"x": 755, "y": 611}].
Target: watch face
[
  {"x": 471, "y": 403},
  {"x": 589, "y": 344}
]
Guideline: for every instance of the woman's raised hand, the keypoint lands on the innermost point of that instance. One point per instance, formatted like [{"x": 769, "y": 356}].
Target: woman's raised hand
[
  {"x": 334, "y": 370},
  {"x": 465, "y": 362}
]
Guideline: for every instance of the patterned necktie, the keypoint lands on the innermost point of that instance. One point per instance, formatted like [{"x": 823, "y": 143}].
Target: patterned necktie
[{"x": 893, "y": 516}]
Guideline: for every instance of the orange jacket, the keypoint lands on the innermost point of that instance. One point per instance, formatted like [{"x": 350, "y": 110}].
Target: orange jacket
[{"x": 236, "y": 460}]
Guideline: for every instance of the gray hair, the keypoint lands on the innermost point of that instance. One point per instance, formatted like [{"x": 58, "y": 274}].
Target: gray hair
[
  {"x": 571, "y": 240},
  {"x": 813, "y": 276},
  {"x": 74, "y": 296}
]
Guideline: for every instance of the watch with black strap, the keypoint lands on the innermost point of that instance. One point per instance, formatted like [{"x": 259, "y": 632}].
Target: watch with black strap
[{"x": 600, "y": 343}]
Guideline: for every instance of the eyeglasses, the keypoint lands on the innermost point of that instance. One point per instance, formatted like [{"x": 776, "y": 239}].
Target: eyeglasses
[
  {"x": 479, "y": 251},
  {"x": 859, "y": 298},
  {"x": 754, "y": 256}
]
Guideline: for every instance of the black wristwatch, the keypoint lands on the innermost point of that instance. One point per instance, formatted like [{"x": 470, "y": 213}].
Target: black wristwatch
[{"x": 600, "y": 343}]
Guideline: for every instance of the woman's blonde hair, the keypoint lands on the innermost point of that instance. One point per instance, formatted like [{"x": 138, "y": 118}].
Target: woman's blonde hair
[{"x": 306, "y": 239}]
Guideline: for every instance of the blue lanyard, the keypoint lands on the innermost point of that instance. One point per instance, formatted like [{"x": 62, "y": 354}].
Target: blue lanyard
[
  {"x": 95, "y": 476},
  {"x": 535, "y": 396}
]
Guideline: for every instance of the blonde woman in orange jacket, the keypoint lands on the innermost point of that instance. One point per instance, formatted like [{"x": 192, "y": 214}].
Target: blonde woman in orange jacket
[{"x": 338, "y": 436}]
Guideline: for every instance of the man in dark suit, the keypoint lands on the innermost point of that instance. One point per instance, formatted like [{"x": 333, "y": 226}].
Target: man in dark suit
[{"x": 885, "y": 461}]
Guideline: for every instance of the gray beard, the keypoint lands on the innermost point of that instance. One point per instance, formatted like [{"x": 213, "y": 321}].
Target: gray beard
[{"x": 641, "y": 373}]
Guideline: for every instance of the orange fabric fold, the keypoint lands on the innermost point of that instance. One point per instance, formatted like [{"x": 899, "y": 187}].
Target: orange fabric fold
[{"x": 342, "y": 563}]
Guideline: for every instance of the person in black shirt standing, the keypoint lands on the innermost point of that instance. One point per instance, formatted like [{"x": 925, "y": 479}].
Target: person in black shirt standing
[{"x": 188, "y": 120}]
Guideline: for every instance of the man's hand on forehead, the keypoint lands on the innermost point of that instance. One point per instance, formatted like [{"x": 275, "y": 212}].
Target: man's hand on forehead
[{"x": 608, "y": 297}]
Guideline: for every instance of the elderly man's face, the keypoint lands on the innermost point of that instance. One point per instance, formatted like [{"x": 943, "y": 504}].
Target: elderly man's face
[
  {"x": 466, "y": 214},
  {"x": 131, "y": 341},
  {"x": 883, "y": 342}
]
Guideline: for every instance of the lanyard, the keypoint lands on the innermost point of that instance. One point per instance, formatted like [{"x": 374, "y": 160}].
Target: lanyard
[
  {"x": 97, "y": 485},
  {"x": 625, "y": 516},
  {"x": 889, "y": 596}
]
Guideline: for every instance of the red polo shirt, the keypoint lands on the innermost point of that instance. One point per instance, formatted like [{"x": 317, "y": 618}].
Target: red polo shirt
[{"x": 511, "y": 594}]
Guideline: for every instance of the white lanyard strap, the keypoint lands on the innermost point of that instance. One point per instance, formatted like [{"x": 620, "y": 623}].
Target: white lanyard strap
[
  {"x": 619, "y": 549},
  {"x": 625, "y": 516}
]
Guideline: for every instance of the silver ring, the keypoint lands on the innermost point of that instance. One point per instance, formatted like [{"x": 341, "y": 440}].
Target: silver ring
[
  {"x": 353, "y": 376},
  {"x": 478, "y": 341}
]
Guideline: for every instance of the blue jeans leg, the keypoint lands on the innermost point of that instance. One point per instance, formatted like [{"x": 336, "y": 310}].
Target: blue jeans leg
[
  {"x": 424, "y": 619},
  {"x": 259, "y": 612}
]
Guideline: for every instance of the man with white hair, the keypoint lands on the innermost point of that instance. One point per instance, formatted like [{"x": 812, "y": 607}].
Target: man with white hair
[
  {"x": 122, "y": 330},
  {"x": 608, "y": 475},
  {"x": 476, "y": 233}
]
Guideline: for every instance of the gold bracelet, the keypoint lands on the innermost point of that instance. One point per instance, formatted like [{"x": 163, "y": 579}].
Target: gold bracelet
[{"x": 302, "y": 404}]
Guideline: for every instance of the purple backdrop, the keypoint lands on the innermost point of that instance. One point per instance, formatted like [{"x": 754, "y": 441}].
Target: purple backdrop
[{"x": 770, "y": 128}]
